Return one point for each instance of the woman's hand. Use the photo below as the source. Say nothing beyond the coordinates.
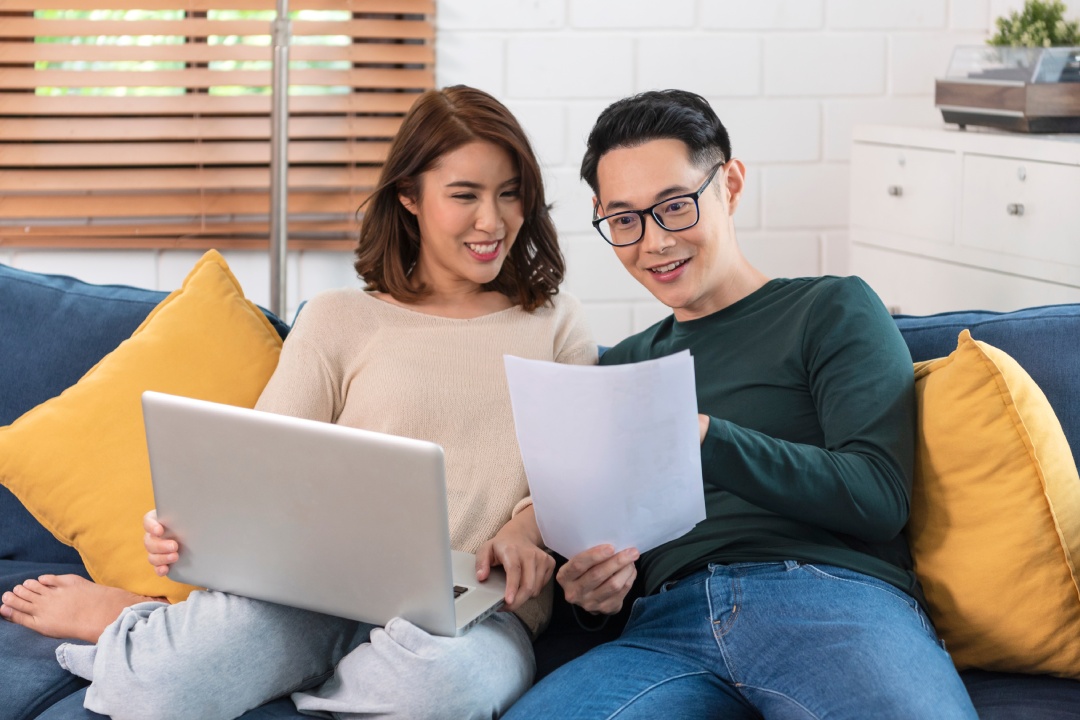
(162, 552)
(516, 547)
(599, 578)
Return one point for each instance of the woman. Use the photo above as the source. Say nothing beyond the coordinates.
(462, 266)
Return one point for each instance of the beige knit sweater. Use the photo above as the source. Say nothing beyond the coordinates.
(358, 361)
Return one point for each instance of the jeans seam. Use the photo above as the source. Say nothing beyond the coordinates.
(719, 638)
(736, 592)
(911, 603)
(787, 697)
(652, 687)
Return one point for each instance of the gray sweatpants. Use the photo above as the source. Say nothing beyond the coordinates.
(215, 656)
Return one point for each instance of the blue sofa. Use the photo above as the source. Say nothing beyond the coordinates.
(53, 329)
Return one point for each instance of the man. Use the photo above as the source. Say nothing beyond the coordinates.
(794, 598)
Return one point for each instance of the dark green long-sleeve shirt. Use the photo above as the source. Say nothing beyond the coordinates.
(810, 447)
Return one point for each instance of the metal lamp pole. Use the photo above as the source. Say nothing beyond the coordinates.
(281, 32)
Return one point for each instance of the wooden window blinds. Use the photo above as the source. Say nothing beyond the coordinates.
(146, 123)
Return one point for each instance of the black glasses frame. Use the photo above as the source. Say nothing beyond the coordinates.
(651, 212)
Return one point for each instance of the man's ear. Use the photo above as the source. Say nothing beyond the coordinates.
(734, 182)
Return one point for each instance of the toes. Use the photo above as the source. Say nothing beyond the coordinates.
(29, 589)
(19, 618)
(49, 580)
(12, 601)
(6, 612)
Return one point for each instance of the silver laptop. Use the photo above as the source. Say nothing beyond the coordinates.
(310, 514)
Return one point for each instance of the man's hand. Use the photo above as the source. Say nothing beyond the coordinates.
(162, 553)
(598, 579)
(517, 548)
(703, 427)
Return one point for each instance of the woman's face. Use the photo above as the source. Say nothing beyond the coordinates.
(470, 211)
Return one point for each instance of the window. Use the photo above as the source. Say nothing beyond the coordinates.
(144, 124)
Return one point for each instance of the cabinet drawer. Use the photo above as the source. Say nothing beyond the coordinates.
(1022, 208)
(904, 191)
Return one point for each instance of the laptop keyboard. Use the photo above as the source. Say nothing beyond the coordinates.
(459, 591)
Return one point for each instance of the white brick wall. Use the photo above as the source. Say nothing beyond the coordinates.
(790, 78)
(818, 64)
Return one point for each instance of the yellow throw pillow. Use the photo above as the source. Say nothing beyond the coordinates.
(79, 462)
(995, 515)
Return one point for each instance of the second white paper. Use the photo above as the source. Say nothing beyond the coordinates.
(612, 453)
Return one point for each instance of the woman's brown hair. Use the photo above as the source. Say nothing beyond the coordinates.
(439, 122)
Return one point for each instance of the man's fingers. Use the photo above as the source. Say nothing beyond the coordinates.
(585, 561)
(620, 582)
(601, 573)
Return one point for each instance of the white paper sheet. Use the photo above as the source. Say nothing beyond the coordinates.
(612, 453)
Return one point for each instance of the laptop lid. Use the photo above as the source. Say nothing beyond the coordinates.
(309, 514)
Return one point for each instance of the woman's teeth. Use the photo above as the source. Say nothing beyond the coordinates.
(483, 249)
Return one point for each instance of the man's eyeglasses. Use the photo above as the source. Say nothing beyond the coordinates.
(673, 213)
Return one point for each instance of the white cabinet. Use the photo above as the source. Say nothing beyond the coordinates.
(944, 219)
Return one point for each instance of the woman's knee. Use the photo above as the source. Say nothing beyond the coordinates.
(478, 675)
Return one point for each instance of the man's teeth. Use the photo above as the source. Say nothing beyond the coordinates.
(483, 249)
(667, 268)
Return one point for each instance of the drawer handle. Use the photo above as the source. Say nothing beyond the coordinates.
(896, 190)
(1015, 209)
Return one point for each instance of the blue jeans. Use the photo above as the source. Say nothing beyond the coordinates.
(747, 640)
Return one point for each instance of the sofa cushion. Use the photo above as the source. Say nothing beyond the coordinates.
(995, 515)
(54, 329)
(32, 679)
(1012, 696)
(1044, 340)
(79, 461)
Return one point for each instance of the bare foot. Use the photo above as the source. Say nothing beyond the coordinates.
(66, 606)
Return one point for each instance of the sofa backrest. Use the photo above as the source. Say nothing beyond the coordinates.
(1044, 340)
(52, 330)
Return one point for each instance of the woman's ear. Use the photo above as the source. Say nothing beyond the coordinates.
(408, 202)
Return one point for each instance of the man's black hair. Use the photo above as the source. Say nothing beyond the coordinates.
(657, 115)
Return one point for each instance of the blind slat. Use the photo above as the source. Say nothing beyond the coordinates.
(171, 205)
(41, 105)
(385, 53)
(17, 27)
(197, 128)
(417, 7)
(143, 228)
(17, 79)
(338, 241)
(185, 154)
(209, 178)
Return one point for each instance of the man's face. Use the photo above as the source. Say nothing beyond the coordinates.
(687, 270)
